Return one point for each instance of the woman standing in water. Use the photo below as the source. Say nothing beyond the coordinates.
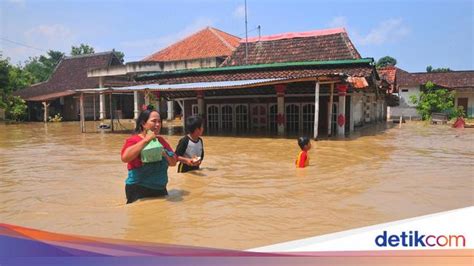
(146, 179)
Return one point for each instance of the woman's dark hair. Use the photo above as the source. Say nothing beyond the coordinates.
(142, 118)
(303, 141)
(192, 123)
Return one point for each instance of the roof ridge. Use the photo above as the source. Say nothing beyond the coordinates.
(349, 44)
(226, 43)
(292, 35)
(437, 72)
(174, 44)
(226, 33)
(86, 55)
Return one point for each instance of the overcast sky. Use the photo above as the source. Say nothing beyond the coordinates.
(416, 33)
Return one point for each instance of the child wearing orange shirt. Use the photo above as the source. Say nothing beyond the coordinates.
(303, 159)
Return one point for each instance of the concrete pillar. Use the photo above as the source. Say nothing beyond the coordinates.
(136, 112)
(101, 106)
(316, 110)
(200, 103)
(341, 116)
(101, 100)
(170, 110)
(281, 121)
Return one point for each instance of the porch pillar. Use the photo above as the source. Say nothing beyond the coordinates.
(170, 110)
(316, 110)
(280, 118)
(46, 111)
(341, 116)
(331, 101)
(136, 112)
(101, 100)
(200, 102)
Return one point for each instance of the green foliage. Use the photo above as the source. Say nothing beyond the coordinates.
(82, 49)
(15, 108)
(386, 61)
(433, 100)
(439, 69)
(458, 112)
(120, 55)
(41, 68)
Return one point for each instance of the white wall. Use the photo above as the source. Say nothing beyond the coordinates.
(358, 111)
(405, 96)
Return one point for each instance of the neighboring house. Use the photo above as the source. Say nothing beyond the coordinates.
(57, 94)
(289, 83)
(406, 84)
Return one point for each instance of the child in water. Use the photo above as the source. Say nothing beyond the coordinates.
(303, 160)
(190, 150)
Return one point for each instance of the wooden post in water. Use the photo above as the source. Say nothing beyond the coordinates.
(316, 110)
(400, 122)
(46, 105)
(81, 113)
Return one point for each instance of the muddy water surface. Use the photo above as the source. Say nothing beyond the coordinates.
(248, 194)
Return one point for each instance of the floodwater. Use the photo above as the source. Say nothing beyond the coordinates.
(248, 194)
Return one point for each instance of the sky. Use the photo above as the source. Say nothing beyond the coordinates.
(416, 33)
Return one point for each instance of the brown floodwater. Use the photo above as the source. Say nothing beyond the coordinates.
(248, 194)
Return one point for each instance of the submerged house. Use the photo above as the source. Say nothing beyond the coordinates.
(312, 83)
(58, 95)
(406, 84)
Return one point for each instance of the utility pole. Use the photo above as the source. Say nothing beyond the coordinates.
(246, 36)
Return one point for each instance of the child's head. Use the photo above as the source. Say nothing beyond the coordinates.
(194, 125)
(304, 143)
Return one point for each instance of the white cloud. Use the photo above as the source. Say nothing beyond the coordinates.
(387, 31)
(338, 22)
(142, 48)
(42, 38)
(239, 12)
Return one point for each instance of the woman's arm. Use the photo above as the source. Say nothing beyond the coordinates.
(171, 159)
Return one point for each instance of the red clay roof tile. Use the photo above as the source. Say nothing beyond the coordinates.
(209, 42)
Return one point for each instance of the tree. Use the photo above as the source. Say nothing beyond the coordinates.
(120, 55)
(41, 68)
(386, 61)
(439, 69)
(82, 49)
(14, 106)
(433, 100)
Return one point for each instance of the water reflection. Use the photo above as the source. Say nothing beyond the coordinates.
(247, 194)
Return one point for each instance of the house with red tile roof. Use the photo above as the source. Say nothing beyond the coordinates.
(208, 47)
(406, 84)
(301, 83)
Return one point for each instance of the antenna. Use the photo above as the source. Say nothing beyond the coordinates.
(246, 36)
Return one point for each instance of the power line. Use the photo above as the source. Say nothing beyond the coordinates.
(22, 44)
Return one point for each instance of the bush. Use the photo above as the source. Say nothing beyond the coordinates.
(16, 108)
(433, 100)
